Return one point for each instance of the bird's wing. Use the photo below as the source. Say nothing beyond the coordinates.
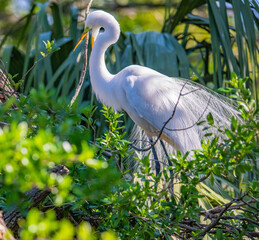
(148, 98)
(151, 101)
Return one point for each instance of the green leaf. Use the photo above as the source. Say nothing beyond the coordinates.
(212, 179)
(219, 234)
(225, 90)
(210, 119)
(250, 136)
(185, 7)
(229, 134)
(58, 26)
(233, 124)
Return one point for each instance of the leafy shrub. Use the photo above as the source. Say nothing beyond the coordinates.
(150, 207)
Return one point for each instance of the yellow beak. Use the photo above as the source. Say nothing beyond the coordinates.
(82, 37)
(92, 41)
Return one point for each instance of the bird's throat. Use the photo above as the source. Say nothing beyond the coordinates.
(101, 78)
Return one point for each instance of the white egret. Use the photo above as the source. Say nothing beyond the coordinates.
(149, 97)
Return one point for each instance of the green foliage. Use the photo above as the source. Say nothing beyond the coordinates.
(46, 226)
(41, 131)
(49, 47)
(114, 137)
(42, 110)
(34, 155)
(235, 157)
(52, 135)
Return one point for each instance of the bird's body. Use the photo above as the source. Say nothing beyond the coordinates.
(149, 97)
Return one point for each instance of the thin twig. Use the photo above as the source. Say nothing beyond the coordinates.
(215, 222)
(241, 218)
(205, 177)
(186, 128)
(234, 207)
(249, 205)
(6, 92)
(82, 77)
(2, 124)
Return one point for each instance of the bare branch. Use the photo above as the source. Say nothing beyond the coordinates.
(214, 223)
(4, 231)
(2, 124)
(82, 76)
(248, 204)
(241, 218)
(192, 91)
(236, 206)
(191, 126)
(205, 177)
(162, 129)
(6, 89)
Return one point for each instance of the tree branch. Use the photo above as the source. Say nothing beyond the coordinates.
(214, 223)
(82, 76)
(4, 231)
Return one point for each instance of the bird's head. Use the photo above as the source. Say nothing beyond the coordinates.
(95, 21)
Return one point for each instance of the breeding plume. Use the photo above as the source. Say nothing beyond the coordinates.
(154, 101)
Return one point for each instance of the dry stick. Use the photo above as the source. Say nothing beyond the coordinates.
(82, 76)
(251, 235)
(191, 126)
(214, 223)
(222, 211)
(227, 226)
(205, 177)
(257, 200)
(249, 211)
(4, 76)
(241, 218)
(5, 84)
(2, 124)
(234, 207)
(28, 71)
(4, 231)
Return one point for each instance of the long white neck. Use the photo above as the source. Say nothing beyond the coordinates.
(101, 78)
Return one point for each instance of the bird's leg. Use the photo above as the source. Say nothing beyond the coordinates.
(157, 165)
(163, 146)
(166, 153)
(169, 163)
